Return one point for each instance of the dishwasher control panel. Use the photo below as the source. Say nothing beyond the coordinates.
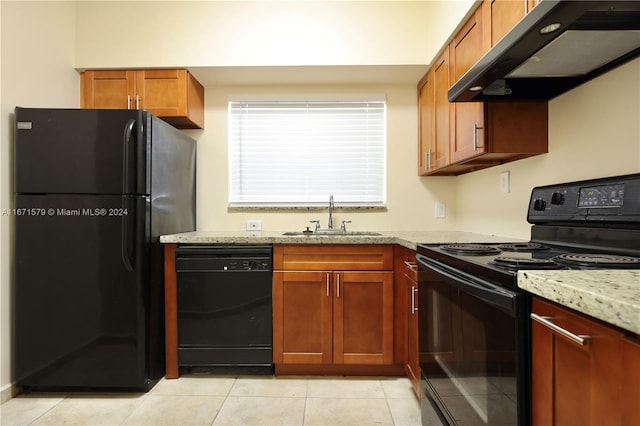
(245, 265)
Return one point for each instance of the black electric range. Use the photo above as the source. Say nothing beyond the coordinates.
(501, 261)
(474, 326)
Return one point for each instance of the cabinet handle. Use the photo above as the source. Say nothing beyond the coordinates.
(475, 135)
(525, 7)
(328, 286)
(546, 321)
(128, 102)
(338, 286)
(413, 266)
(137, 102)
(427, 157)
(414, 306)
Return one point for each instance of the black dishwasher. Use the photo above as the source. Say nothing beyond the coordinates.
(224, 307)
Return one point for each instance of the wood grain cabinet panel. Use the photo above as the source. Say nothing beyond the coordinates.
(330, 314)
(594, 383)
(406, 316)
(303, 318)
(478, 134)
(433, 117)
(171, 94)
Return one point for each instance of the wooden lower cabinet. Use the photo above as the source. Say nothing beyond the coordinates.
(406, 276)
(593, 383)
(331, 316)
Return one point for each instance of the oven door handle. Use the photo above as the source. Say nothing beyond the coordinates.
(484, 290)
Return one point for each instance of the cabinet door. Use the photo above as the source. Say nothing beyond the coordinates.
(442, 112)
(113, 89)
(363, 318)
(592, 383)
(433, 115)
(467, 118)
(426, 123)
(163, 92)
(503, 15)
(542, 368)
(571, 372)
(302, 317)
(630, 381)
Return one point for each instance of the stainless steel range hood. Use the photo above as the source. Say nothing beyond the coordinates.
(559, 45)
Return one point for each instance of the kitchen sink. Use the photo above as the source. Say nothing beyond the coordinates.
(336, 233)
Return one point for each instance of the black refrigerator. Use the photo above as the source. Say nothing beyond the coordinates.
(94, 190)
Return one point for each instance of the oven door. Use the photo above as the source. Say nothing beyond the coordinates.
(474, 347)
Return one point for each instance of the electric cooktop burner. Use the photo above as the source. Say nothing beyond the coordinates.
(470, 249)
(524, 263)
(523, 247)
(609, 261)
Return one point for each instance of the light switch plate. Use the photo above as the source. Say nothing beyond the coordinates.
(254, 225)
(504, 182)
(440, 211)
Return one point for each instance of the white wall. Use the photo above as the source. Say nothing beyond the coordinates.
(594, 131)
(37, 59)
(251, 33)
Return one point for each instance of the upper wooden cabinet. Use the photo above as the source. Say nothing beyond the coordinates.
(171, 94)
(479, 134)
(434, 114)
(500, 16)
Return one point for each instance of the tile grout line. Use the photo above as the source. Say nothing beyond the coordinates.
(226, 397)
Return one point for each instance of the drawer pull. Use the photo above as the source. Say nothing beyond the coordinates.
(413, 266)
(546, 321)
(414, 306)
(328, 285)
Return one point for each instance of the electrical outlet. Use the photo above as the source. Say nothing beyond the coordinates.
(504, 182)
(440, 211)
(254, 225)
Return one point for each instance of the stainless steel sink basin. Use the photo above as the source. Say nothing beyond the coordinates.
(333, 233)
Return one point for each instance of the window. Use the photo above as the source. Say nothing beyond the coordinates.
(297, 153)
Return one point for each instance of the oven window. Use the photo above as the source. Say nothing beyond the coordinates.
(468, 355)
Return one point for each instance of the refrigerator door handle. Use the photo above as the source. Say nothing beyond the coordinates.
(128, 136)
(127, 258)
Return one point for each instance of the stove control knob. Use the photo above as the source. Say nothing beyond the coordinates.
(557, 198)
(539, 205)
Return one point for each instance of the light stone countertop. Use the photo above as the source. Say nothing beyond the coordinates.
(612, 296)
(408, 239)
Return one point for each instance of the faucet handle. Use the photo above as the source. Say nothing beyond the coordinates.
(317, 222)
(344, 225)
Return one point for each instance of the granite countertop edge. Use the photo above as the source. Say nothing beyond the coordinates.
(612, 296)
(408, 239)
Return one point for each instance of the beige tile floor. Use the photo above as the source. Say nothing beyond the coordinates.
(227, 400)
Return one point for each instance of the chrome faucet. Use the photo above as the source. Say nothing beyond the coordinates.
(330, 224)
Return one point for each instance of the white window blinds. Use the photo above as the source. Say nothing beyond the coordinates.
(284, 154)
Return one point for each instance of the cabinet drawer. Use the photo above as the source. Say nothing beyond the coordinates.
(340, 257)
